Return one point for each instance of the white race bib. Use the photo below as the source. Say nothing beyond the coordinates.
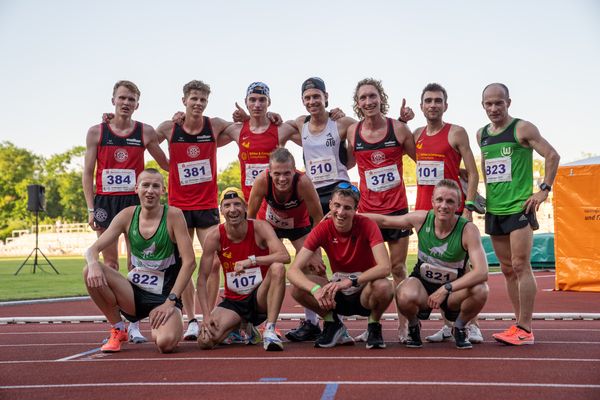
(246, 282)
(252, 171)
(338, 276)
(430, 172)
(382, 179)
(277, 221)
(498, 170)
(118, 180)
(148, 280)
(437, 274)
(322, 169)
(194, 172)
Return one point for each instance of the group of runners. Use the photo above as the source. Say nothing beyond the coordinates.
(317, 210)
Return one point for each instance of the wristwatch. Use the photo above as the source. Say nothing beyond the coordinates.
(545, 186)
(354, 279)
(448, 287)
(172, 297)
(252, 260)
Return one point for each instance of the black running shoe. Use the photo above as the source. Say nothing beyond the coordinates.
(414, 336)
(305, 332)
(375, 338)
(461, 338)
(332, 331)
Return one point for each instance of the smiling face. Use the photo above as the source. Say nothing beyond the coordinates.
(445, 202)
(195, 102)
(343, 210)
(368, 100)
(314, 100)
(125, 101)
(150, 186)
(282, 174)
(234, 210)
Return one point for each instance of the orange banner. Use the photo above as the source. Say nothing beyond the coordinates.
(577, 228)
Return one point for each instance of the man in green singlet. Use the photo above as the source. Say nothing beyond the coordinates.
(439, 280)
(162, 261)
(507, 146)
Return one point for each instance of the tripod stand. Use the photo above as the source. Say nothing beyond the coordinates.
(36, 250)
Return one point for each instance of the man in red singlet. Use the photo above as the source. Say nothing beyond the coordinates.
(253, 261)
(115, 150)
(378, 144)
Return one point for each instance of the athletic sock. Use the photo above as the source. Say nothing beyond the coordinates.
(270, 326)
(311, 316)
(413, 322)
(329, 317)
(526, 330)
(372, 319)
(120, 325)
(459, 323)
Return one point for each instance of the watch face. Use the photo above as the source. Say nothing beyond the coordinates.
(172, 297)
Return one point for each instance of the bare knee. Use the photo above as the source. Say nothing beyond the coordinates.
(480, 292)
(206, 344)
(277, 271)
(166, 343)
(382, 288)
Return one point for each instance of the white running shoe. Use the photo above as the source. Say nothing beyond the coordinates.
(362, 337)
(441, 336)
(134, 334)
(475, 335)
(193, 330)
(271, 341)
(345, 339)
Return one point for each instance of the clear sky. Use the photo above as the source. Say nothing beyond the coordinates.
(59, 60)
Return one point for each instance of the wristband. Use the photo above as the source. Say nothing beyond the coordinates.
(90, 210)
(403, 121)
(314, 289)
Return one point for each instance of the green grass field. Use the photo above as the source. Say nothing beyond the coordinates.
(47, 284)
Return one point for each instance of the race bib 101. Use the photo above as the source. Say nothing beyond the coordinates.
(429, 172)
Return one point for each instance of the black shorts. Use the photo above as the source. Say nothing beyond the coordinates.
(325, 194)
(391, 235)
(497, 225)
(292, 234)
(350, 304)
(201, 218)
(449, 314)
(146, 302)
(106, 207)
(247, 308)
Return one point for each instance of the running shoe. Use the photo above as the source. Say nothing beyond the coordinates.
(362, 337)
(516, 337)
(134, 334)
(277, 331)
(460, 338)
(192, 331)
(440, 336)
(509, 332)
(375, 338)
(414, 336)
(345, 339)
(253, 334)
(306, 331)
(236, 337)
(271, 341)
(475, 336)
(113, 344)
(332, 331)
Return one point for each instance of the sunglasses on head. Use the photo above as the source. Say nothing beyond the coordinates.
(346, 185)
(230, 195)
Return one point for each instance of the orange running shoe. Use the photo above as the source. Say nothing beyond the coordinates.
(113, 344)
(515, 336)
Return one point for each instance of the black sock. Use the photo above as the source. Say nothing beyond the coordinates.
(520, 327)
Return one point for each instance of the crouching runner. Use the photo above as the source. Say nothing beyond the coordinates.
(253, 261)
(163, 261)
(439, 280)
(360, 266)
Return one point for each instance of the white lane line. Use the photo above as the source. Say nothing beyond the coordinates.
(329, 358)
(85, 353)
(312, 383)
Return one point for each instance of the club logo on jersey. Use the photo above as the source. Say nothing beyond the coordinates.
(377, 157)
(100, 214)
(330, 142)
(227, 254)
(438, 250)
(419, 144)
(193, 151)
(147, 252)
(244, 155)
(291, 204)
(121, 155)
(246, 144)
(506, 151)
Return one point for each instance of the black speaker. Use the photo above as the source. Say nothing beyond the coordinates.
(36, 200)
